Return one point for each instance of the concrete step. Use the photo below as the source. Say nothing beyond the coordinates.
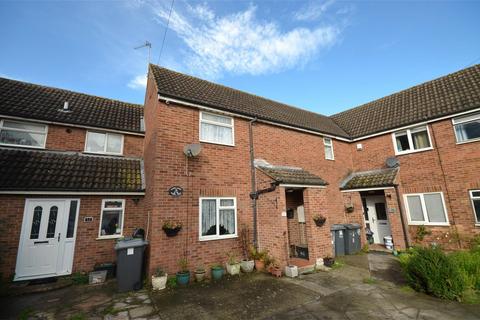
(306, 269)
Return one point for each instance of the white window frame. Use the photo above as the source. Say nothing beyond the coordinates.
(424, 210)
(107, 134)
(232, 126)
(472, 198)
(470, 118)
(115, 236)
(217, 236)
(45, 132)
(410, 140)
(328, 144)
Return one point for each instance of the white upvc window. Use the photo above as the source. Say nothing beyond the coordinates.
(426, 209)
(412, 140)
(217, 218)
(328, 146)
(475, 197)
(467, 128)
(24, 134)
(111, 218)
(215, 128)
(104, 143)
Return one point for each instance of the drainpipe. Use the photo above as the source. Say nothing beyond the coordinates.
(402, 217)
(253, 181)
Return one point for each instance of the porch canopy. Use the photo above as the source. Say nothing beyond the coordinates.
(368, 180)
(292, 176)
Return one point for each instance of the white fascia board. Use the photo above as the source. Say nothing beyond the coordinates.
(366, 189)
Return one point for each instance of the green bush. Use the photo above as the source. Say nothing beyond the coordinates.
(429, 270)
(468, 263)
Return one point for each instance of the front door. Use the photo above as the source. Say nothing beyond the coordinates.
(377, 218)
(43, 238)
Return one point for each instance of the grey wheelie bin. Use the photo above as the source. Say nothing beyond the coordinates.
(352, 238)
(130, 253)
(338, 242)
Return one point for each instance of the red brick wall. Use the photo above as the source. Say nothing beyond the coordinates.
(449, 168)
(225, 171)
(67, 138)
(88, 250)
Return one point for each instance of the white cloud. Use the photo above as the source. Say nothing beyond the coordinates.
(139, 82)
(240, 43)
(313, 10)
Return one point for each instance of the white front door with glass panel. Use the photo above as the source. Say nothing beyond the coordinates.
(377, 218)
(47, 239)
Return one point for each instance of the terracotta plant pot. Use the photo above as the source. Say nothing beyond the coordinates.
(259, 265)
(276, 271)
(247, 265)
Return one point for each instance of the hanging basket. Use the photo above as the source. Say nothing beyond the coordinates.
(319, 221)
(172, 232)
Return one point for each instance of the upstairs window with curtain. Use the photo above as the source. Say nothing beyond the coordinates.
(216, 128)
(218, 218)
(24, 134)
(467, 128)
(104, 143)
(412, 140)
(328, 146)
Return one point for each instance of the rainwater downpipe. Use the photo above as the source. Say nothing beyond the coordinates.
(253, 181)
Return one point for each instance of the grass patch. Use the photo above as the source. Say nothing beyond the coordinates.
(369, 280)
(25, 314)
(338, 264)
(78, 316)
(172, 283)
(407, 289)
(79, 278)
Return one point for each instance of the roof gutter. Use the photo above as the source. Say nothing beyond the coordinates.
(86, 193)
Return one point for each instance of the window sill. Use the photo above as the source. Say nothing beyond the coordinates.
(428, 224)
(468, 141)
(217, 143)
(330, 159)
(21, 146)
(413, 151)
(109, 237)
(104, 153)
(217, 238)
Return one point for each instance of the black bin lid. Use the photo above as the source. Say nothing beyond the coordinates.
(337, 227)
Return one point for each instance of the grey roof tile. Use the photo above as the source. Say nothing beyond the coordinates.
(289, 175)
(370, 179)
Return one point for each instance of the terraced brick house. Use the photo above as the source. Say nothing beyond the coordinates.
(225, 163)
(71, 179)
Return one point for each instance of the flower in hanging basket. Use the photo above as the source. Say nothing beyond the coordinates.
(171, 228)
(349, 208)
(319, 220)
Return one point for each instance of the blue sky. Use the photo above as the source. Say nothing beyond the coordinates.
(325, 56)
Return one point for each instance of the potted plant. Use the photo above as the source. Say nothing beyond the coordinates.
(259, 257)
(247, 264)
(275, 270)
(199, 274)
(328, 261)
(183, 276)
(319, 220)
(233, 266)
(171, 227)
(217, 271)
(159, 279)
(349, 208)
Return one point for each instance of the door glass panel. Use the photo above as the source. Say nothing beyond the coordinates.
(71, 218)
(434, 205)
(37, 218)
(52, 222)
(415, 208)
(381, 212)
(365, 208)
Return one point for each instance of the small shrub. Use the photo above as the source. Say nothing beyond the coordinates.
(429, 270)
(79, 278)
(171, 282)
(421, 233)
(468, 262)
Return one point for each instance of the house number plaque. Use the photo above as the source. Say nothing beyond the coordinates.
(175, 191)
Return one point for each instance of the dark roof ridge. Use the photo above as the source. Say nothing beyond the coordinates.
(129, 104)
(240, 91)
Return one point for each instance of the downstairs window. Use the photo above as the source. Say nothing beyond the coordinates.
(218, 218)
(426, 209)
